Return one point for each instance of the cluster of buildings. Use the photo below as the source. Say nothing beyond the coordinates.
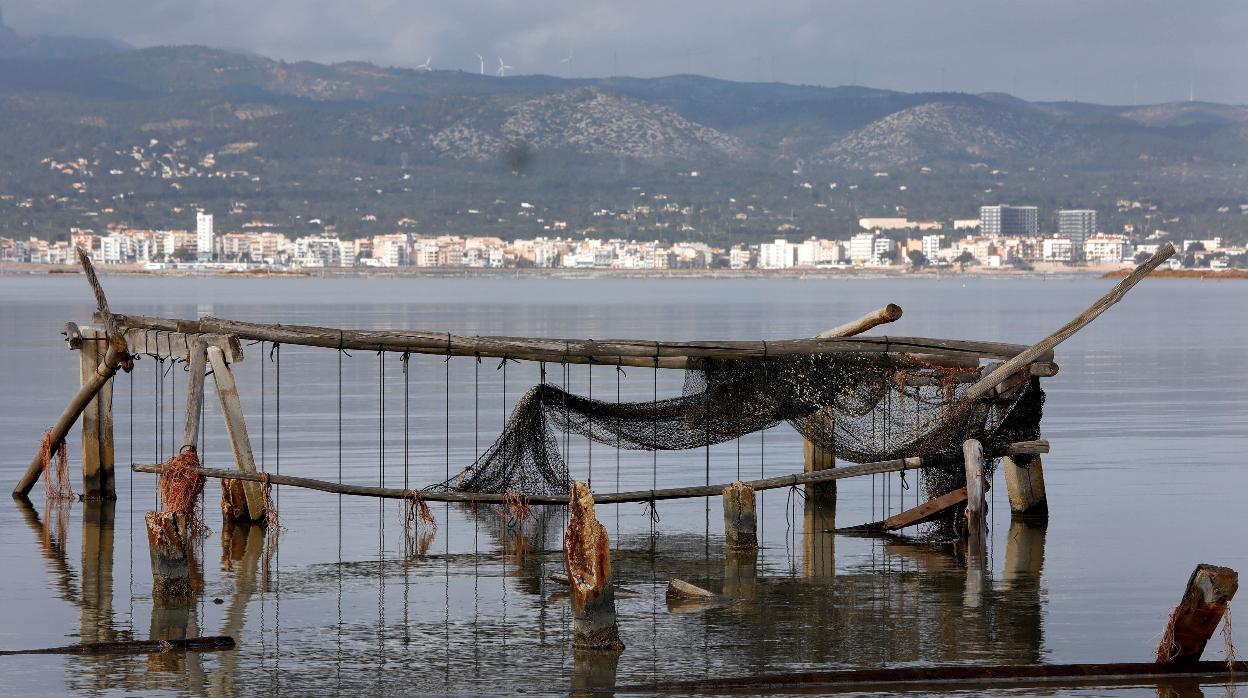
(1002, 236)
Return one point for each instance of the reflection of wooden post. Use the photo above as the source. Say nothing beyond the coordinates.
(587, 557)
(1209, 590)
(242, 544)
(740, 520)
(97, 421)
(1024, 481)
(239, 500)
(816, 458)
(1020, 578)
(741, 574)
(593, 673)
(819, 543)
(96, 612)
(1024, 554)
(170, 549)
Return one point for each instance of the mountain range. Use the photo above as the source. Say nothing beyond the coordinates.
(91, 137)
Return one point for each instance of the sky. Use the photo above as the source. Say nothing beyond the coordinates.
(1105, 51)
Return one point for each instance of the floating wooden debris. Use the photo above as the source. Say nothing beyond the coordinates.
(211, 643)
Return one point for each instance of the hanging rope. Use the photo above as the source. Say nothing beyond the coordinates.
(56, 479)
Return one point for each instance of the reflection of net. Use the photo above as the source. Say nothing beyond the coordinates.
(858, 406)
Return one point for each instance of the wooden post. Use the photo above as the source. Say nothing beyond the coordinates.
(976, 491)
(195, 395)
(97, 420)
(815, 459)
(740, 519)
(587, 558)
(1024, 481)
(819, 541)
(171, 551)
(252, 504)
(1209, 590)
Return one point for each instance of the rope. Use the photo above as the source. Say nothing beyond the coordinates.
(652, 511)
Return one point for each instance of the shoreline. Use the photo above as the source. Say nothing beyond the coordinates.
(25, 269)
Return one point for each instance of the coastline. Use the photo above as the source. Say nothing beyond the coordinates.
(21, 268)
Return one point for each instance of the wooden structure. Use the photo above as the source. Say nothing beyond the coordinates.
(992, 368)
(1204, 604)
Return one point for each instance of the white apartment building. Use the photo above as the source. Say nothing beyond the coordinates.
(780, 254)
(931, 246)
(739, 257)
(1106, 249)
(862, 248)
(1056, 250)
(204, 237)
(319, 252)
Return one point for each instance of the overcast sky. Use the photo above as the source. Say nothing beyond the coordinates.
(1111, 51)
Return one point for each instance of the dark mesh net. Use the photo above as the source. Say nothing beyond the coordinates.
(862, 407)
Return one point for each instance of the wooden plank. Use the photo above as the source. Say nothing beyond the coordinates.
(608, 351)
(917, 515)
(948, 677)
(236, 428)
(1043, 350)
(888, 466)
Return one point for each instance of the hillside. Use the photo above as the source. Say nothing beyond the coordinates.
(140, 136)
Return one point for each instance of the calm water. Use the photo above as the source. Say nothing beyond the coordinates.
(1148, 422)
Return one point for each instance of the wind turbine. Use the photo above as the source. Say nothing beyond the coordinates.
(481, 59)
(502, 68)
(425, 66)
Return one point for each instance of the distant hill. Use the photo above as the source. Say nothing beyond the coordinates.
(137, 136)
(17, 46)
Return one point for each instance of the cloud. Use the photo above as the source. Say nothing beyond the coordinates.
(1105, 51)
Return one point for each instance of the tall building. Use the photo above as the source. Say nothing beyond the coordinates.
(1076, 225)
(780, 254)
(204, 239)
(1009, 221)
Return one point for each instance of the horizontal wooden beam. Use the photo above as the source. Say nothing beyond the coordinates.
(157, 342)
(914, 516)
(888, 466)
(608, 351)
(948, 677)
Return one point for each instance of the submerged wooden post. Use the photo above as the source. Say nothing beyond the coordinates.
(976, 491)
(1209, 590)
(97, 420)
(1024, 481)
(170, 548)
(740, 519)
(239, 500)
(587, 558)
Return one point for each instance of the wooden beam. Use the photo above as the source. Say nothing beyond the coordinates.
(917, 515)
(112, 361)
(976, 491)
(89, 356)
(888, 466)
(190, 644)
(740, 518)
(953, 676)
(1043, 350)
(875, 318)
(1024, 482)
(236, 428)
(608, 351)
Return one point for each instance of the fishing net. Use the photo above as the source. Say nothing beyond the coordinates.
(179, 485)
(864, 407)
(55, 475)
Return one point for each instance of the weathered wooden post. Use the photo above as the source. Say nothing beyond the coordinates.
(170, 546)
(1024, 482)
(97, 419)
(239, 500)
(976, 492)
(976, 524)
(740, 519)
(587, 559)
(1209, 590)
